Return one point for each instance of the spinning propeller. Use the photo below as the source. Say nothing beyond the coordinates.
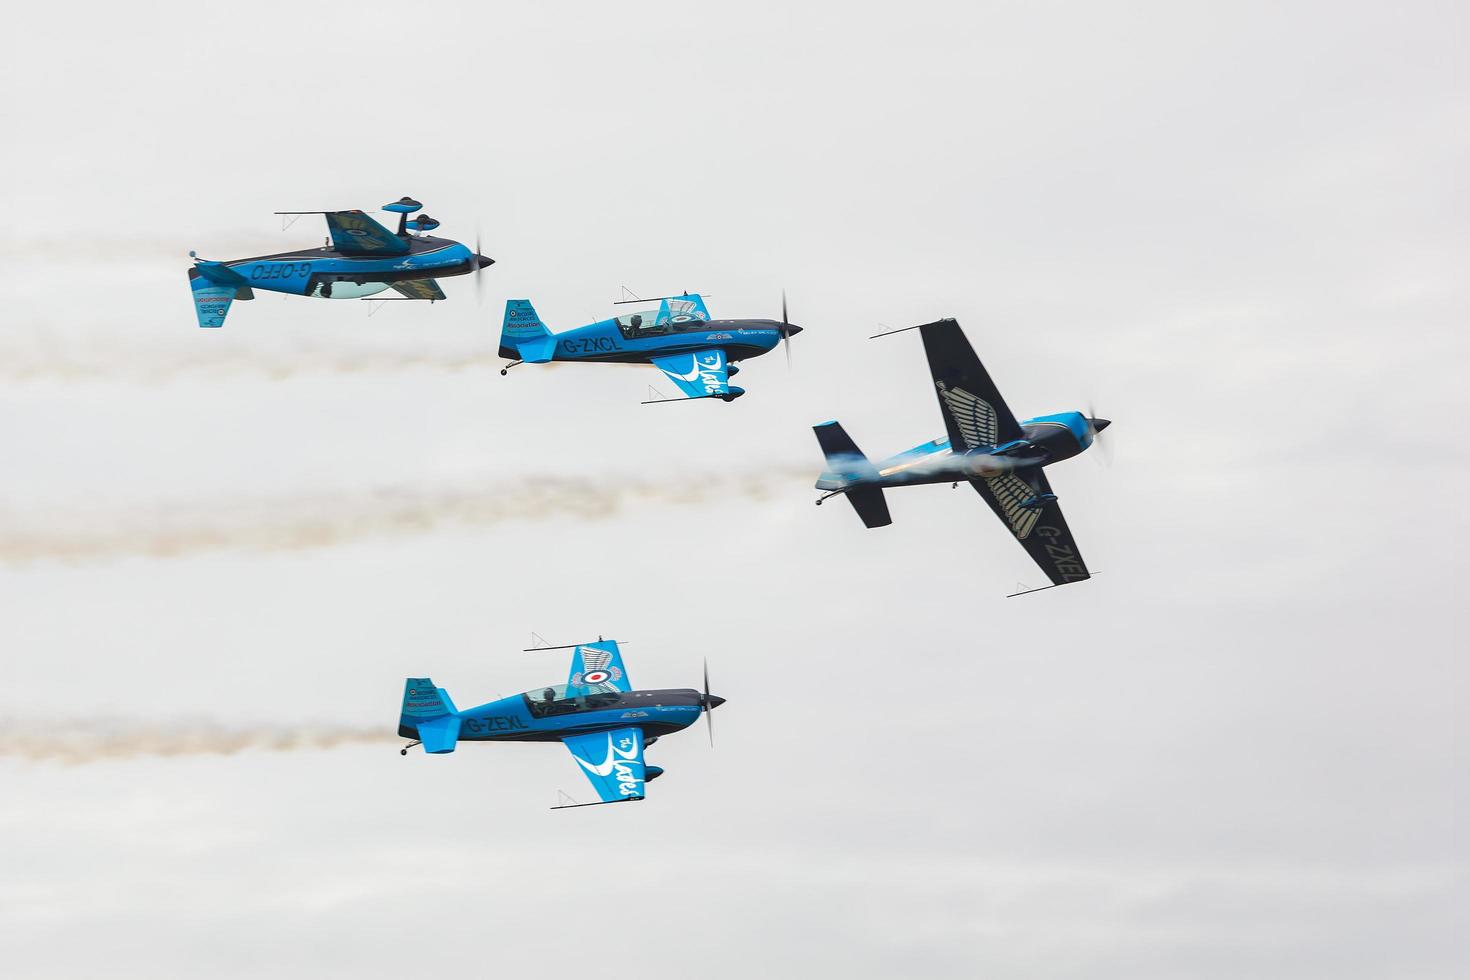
(786, 330)
(1095, 426)
(479, 267)
(708, 703)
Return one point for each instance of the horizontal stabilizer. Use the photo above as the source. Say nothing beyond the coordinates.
(537, 351)
(440, 734)
(870, 506)
(846, 463)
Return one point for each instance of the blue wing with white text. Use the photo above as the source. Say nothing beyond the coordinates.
(698, 375)
(612, 762)
(598, 665)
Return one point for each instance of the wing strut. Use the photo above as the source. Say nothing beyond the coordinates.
(1043, 588)
(573, 806)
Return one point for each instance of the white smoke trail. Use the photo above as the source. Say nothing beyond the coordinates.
(77, 742)
(110, 362)
(319, 521)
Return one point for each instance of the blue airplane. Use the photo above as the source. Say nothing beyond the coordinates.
(363, 259)
(698, 354)
(986, 447)
(598, 716)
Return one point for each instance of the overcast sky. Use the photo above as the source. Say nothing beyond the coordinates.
(1238, 230)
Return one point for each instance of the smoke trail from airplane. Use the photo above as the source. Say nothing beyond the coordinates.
(108, 362)
(78, 742)
(294, 523)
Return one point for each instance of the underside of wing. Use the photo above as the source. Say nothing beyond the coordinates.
(354, 233)
(700, 374)
(419, 289)
(974, 413)
(611, 761)
(1023, 500)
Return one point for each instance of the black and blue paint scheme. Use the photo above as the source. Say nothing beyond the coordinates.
(603, 722)
(678, 337)
(363, 259)
(986, 447)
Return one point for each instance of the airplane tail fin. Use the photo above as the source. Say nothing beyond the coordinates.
(428, 715)
(523, 337)
(847, 471)
(215, 287)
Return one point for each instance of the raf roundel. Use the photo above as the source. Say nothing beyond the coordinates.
(595, 676)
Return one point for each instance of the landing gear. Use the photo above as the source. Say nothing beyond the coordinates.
(404, 750)
(506, 370)
(827, 496)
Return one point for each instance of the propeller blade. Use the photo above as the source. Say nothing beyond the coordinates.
(479, 284)
(709, 715)
(1104, 445)
(785, 331)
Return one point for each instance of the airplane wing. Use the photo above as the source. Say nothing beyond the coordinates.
(419, 289)
(612, 762)
(354, 233)
(974, 413)
(701, 373)
(1041, 528)
(681, 309)
(599, 664)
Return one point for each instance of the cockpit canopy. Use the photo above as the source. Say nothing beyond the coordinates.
(645, 324)
(674, 315)
(562, 699)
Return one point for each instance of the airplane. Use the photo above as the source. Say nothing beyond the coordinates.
(362, 259)
(598, 716)
(986, 447)
(679, 338)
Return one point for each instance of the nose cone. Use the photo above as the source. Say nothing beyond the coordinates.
(713, 701)
(484, 260)
(790, 330)
(1099, 424)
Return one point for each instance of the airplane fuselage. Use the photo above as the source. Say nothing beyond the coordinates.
(1047, 439)
(523, 718)
(616, 342)
(330, 274)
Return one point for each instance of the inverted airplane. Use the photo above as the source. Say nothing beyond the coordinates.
(598, 716)
(986, 447)
(363, 259)
(678, 337)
